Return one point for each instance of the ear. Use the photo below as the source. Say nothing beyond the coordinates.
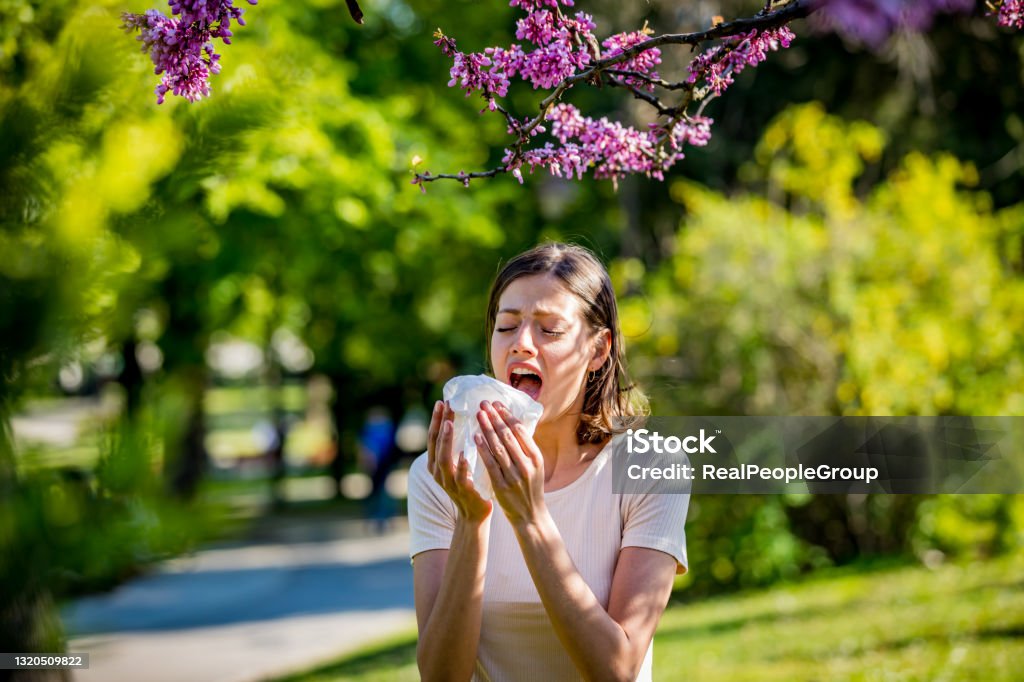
(602, 349)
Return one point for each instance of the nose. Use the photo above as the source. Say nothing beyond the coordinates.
(522, 342)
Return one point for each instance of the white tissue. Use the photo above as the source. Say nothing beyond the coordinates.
(464, 395)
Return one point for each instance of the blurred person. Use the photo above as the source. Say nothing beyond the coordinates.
(377, 455)
(567, 580)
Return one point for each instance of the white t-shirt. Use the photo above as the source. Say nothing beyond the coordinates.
(517, 640)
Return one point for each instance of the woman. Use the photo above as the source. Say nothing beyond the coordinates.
(567, 580)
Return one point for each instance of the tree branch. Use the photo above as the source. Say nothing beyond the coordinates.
(602, 70)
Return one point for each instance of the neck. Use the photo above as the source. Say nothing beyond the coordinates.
(557, 442)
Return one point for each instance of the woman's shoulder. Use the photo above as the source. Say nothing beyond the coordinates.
(424, 492)
(420, 478)
(419, 465)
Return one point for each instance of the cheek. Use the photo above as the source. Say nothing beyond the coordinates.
(568, 361)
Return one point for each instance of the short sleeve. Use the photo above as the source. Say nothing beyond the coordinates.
(432, 513)
(656, 521)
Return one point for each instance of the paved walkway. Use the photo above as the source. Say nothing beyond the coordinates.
(245, 613)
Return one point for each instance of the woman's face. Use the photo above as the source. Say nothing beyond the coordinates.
(541, 344)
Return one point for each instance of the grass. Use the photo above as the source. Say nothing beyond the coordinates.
(956, 622)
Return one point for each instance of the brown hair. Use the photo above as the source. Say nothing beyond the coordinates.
(609, 394)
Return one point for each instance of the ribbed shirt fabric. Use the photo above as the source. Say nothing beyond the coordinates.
(517, 640)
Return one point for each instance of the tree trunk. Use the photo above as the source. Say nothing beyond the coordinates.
(344, 427)
(186, 457)
(132, 379)
(184, 346)
(277, 463)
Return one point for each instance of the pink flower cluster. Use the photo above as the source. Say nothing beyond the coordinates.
(563, 46)
(694, 131)
(610, 148)
(642, 63)
(717, 66)
(562, 55)
(1011, 14)
(181, 45)
(470, 72)
(561, 50)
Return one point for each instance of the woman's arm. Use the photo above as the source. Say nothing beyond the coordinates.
(604, 644)
(449, 584)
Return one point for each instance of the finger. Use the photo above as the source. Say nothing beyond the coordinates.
(491, 425)
(449, 451)
(467, 487)
(518, 429)
(463, 475)
(506, 435)
(445, 461)
(490, 437)
(520, 463)
(490, 463)
(432, 433)
(439, 447)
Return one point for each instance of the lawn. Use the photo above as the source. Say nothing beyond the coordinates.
(955, 622)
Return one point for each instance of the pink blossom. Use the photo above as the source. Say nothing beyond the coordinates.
(642, 63)
(538, 27)
(694, 131)
(181, 45)
(469, 71)
(717, 66)
(1011, 14)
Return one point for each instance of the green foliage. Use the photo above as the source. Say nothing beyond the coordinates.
(901, 302)
(969, 525)
(46, 550)
(283, 201)
(743, 541)
(823, 297)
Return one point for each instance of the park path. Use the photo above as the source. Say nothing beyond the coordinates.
(249, 612)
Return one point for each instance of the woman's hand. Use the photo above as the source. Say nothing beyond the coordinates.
(454, 477)
(514, 462)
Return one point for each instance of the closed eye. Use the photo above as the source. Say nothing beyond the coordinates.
(549, 332)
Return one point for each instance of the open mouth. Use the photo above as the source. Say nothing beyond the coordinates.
(526, 381)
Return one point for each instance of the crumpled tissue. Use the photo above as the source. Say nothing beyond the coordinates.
(464, 395)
